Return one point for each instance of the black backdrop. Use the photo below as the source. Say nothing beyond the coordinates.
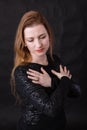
(69, 23)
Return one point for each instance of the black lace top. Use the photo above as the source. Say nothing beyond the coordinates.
(43, 107)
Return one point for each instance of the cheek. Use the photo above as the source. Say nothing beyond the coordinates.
(47, 44)
(30, 48)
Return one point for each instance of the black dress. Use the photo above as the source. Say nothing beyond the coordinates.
(43, 108)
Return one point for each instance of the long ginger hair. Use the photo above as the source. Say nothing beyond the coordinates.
(21, 53)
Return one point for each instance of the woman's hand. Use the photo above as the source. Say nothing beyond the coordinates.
(63, 72)
(39, 78)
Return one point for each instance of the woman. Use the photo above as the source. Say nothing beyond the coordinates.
(39, 82)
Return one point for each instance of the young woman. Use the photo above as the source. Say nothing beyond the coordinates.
(39, 82)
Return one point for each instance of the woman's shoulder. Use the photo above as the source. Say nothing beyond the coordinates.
(20, 69)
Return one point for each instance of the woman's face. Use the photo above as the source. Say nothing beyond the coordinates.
(37, 40)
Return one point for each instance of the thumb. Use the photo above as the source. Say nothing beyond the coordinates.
(55, 73)
(44, 72)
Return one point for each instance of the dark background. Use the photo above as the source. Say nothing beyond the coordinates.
(68, 19)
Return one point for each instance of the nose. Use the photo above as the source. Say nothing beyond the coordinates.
(38, 43)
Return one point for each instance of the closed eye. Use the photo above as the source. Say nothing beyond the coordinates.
(42, 37)
(30, 40)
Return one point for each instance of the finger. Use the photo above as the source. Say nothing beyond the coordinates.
(70, 76)
(68, 72)
(54, 72)
(34, 71)
(31, 73)
(61, 68)
(65, 69)
(33, 78)
(36, 82)
(43, 70)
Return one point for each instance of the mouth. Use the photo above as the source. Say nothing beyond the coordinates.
(40, 50)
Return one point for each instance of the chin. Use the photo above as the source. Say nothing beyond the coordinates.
(41, 54)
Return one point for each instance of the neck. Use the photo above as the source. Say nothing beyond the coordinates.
(40, 60)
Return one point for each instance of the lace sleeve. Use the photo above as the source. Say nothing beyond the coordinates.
(49, 105)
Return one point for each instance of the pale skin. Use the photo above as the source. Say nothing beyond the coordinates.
(44, 78)
(40, 78)
(37, 41)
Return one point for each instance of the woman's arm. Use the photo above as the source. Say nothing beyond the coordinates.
(36, 94)
(74, 88)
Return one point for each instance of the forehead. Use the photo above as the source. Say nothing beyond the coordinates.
(35, 30)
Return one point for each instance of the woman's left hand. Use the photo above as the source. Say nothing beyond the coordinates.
(39, 78)
(63, 72)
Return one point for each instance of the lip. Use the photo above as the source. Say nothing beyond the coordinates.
(40, 50)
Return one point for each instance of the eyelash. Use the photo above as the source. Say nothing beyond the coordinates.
(40, 38)
(30, 40)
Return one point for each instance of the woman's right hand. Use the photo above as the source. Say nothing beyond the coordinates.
(63, 72)
(43, 78)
